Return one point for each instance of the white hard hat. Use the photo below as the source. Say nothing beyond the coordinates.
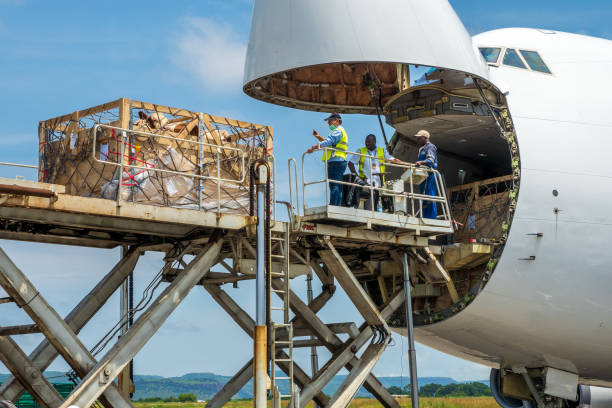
(423, 133)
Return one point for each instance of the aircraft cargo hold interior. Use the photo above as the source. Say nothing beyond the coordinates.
(479, 163)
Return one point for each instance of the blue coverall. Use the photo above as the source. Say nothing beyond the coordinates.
(429, 154)
(336, 166)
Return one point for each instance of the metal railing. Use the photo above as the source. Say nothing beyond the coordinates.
(415, 199)
(124, 138)
(296, 206)
(27, 166)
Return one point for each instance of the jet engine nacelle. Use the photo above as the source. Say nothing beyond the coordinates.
(594, 397)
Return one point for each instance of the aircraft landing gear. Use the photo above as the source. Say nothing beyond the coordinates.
(502, 400)
(541, 400)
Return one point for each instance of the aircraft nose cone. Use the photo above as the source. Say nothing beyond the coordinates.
(325, 55)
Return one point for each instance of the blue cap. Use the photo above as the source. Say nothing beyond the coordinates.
(333, 116)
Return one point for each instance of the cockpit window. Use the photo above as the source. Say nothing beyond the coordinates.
(535, 61)
(513, 59)
(491, 55)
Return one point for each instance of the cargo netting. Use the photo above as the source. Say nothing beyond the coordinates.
(132, 151)
(481, 208)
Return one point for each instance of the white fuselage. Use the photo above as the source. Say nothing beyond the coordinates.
(555, 310)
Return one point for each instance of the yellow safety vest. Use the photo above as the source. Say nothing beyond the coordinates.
(380, 153)
(341, 147)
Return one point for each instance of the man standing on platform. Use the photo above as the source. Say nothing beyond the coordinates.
(428, 156)
(337, 141)
(371, 168)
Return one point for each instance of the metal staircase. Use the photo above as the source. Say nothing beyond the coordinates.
(281, 334)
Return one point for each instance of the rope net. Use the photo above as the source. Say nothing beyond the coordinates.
(167, 156)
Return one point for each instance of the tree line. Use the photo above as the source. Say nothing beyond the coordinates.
(473, 389)
(186, 397)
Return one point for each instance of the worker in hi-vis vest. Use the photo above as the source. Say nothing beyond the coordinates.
(336, 159)
(428, 156)
(371, 168)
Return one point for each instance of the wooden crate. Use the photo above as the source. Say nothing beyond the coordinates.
(164, 138)
(488, 201)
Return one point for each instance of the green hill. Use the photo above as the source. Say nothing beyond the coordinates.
(205, 385)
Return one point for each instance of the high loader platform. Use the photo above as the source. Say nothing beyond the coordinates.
(147, 177)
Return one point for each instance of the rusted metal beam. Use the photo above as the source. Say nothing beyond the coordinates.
(22, 329)
(29, 191)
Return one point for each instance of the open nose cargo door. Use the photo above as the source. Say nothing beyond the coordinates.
(329, 55)
(356, 56)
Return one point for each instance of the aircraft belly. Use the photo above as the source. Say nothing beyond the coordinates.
(548, 301)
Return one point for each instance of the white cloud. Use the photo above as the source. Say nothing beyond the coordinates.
(213, 53)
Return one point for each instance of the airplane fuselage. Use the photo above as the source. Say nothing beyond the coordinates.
(548, 302)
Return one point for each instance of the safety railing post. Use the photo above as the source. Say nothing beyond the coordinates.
(272, 177)
(297, 194)
(303, 186)
(411, 195)
(439, 192)
(218, 181)
(201, 157)
(328, 187)
(121, 168)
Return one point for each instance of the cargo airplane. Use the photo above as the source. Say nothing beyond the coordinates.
(524, 138)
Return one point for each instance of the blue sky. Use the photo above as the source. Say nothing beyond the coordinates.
(56, 57)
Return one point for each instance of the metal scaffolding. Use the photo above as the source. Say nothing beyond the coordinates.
(247, 247)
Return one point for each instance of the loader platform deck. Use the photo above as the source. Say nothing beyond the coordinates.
(351, 217)
(60, 218)
(45, 213)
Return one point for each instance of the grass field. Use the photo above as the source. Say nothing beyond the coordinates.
(476, 402)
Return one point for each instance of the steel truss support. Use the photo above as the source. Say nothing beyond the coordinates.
(43, 355)
(343, 353)
(55, 329)
(101, 376)
(351, 384)
(31, 377)
(351, 286)
(247, 324)
(360, 371)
